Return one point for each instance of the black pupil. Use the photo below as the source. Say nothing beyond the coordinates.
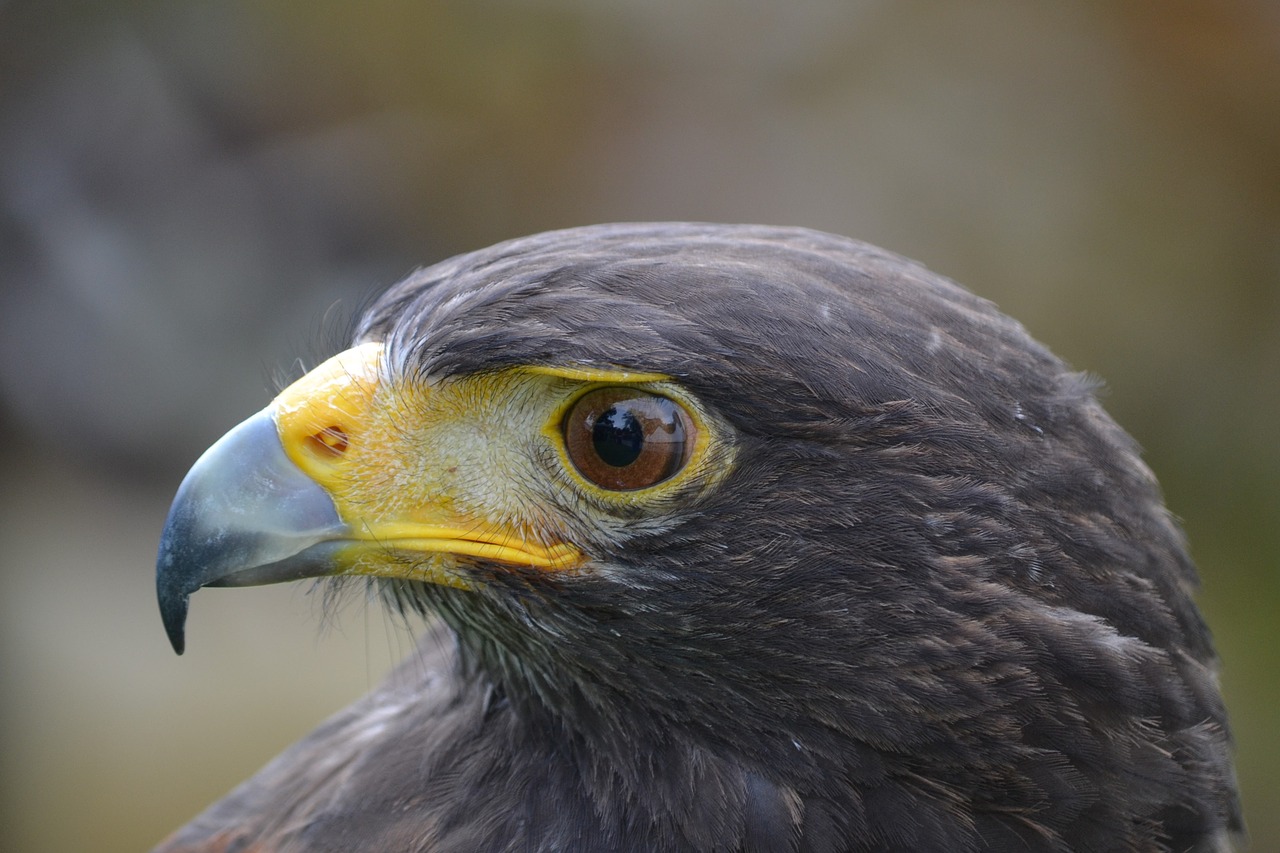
(618, 437)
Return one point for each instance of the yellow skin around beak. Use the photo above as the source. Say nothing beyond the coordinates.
(348, 473)
(346, 430)
(356, 469)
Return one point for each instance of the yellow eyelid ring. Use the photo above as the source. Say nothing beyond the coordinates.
(655, 384)
(609, 375)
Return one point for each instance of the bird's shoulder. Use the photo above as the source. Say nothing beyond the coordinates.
(353, 781)
(400, 770)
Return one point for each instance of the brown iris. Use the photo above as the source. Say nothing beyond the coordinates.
(624, 439)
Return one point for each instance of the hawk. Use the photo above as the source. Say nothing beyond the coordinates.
(732, 538)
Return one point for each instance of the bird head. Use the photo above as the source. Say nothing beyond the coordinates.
(768, 489)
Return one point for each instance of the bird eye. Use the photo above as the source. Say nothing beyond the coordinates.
(624, 439)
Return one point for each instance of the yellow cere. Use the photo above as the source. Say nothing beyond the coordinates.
(327, 408)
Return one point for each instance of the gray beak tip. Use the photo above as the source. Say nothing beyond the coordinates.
(174, 613)
(245, 514)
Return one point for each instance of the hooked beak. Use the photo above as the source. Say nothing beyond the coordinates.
(300, 490)
(256, 507)
(245, 514)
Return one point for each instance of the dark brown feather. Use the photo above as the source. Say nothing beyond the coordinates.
(936, 605)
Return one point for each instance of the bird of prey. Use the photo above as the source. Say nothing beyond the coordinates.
(733, 538)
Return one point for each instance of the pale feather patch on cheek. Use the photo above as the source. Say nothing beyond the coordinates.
(499, 475)
(458, 452)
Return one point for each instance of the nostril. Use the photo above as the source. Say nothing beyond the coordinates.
(329, 442)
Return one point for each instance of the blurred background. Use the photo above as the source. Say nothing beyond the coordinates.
(197, 195)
